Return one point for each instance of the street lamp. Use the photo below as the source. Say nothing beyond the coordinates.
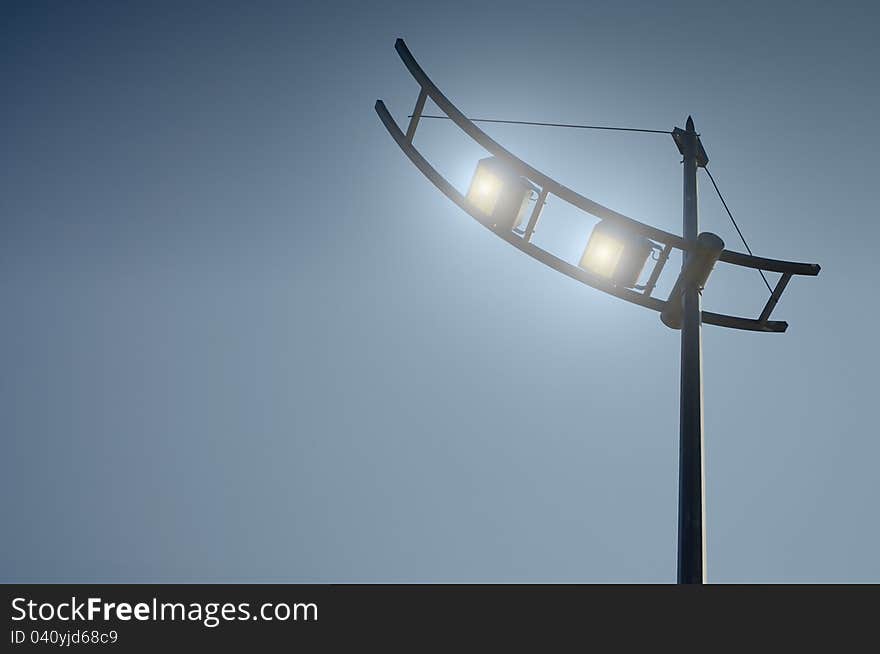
(615, 254)
(498, 192)
(612, 262)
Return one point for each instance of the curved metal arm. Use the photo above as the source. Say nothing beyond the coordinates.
(522, 168)
(551, 186)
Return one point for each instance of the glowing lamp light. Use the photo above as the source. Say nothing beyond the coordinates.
(615, 254)
(499, 193)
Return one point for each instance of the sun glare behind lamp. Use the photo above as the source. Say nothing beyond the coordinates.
(616, 254)
(500, 193)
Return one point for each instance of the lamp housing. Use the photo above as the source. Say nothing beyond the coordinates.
(500, 193)
(615, 253)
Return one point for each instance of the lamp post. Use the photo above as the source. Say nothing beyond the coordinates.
(613, 262)
(691, 466)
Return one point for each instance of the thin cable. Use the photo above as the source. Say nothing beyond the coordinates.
(738, 231)
(526, 122)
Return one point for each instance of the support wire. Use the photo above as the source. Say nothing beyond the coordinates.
(527, 122)
(738, 231)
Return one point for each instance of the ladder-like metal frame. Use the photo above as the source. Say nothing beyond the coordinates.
(666, 241)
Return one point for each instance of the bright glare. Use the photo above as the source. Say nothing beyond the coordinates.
(602, 254)
(485, 190)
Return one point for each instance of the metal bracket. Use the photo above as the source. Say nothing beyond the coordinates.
(680, 137)
(416, 115)
(658, 268)
(536, 213)
(774, 297)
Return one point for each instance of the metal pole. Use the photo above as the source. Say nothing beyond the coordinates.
(691, 490)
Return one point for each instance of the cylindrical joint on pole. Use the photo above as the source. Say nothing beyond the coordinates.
(694, 274)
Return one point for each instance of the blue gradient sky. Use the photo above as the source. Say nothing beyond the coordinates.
(244, 340)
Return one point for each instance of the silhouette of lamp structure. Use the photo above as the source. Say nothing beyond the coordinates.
(500, 197)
